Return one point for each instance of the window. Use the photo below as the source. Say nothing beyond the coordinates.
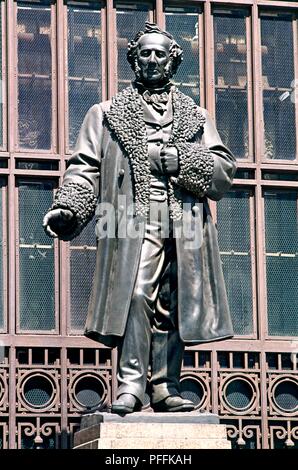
(281, 261)
(130, 18)
(36, 259)
(82, 268)
(233, 219)
(277, 79)
(2, 79)
(84, 60)
(2, 254)
(35, 85)
(183, 24)
(231, 80)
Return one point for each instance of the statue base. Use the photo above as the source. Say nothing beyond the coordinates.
(191, 430)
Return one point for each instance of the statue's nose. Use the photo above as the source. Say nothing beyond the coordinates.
(152, 57)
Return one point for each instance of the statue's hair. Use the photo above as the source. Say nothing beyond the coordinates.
(176, 51)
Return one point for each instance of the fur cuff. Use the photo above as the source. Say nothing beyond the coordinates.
(196, 166)
(81, 201)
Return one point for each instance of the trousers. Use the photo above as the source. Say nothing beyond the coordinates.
(151, 337)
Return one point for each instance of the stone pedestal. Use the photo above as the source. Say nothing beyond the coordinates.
(191, 430)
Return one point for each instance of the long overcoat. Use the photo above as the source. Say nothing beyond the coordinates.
(103, 163)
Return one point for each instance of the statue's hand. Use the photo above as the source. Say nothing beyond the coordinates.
(169, 159)
(57, 221)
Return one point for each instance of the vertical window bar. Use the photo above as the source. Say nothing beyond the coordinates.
(183, 23)
(84, 64)
(278, 80)
(36, 261)
(231, 79)
(35, 76)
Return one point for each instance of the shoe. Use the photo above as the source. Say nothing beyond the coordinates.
(173, 403)
(126, 403)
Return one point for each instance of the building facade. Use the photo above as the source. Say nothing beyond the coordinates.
(57, 59)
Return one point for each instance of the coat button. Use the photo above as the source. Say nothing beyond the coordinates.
(195, 210)
(121, 172)
(121, 208)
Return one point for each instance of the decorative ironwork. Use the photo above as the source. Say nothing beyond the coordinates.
(88, 389)
(283, 436)
(239, 393)
(196, 387)
(3, 435)
(283, 395)
(38, 391)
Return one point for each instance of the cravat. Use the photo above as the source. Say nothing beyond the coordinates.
(158, 101)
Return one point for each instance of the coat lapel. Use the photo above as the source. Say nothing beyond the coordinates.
(125, 119)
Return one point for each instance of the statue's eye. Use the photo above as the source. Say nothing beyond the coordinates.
(145, 53)
(160, 54)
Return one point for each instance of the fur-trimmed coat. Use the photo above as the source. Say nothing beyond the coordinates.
(110, 160)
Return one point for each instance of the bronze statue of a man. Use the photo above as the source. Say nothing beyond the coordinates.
(145, 162)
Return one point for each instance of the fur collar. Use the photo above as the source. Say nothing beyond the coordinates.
(125, 120)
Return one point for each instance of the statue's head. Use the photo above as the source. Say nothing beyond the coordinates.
(154, 55)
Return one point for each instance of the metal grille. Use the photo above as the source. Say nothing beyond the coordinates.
(36, 259)
(281, 262)
(192, 390)
(34, 31)
(233, 217)
(182, 23)
(82, 268)
(89, 392)
(38, 391)
(286, 395)
(129, 22)
(239, 394)
(231, 80)
(84, 64)
(278, 74)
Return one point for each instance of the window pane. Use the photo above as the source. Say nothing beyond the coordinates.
(84, 64)
(278, 74)
(34, 76)
(1, 84)
(233, 215)
(1, 261)
(231, 81)
(182, 23)
(82, 267)
(282, 262)
(36, 265)
(130, 20)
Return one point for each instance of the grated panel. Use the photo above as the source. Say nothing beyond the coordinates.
(278, 74)
(36, 259)
(281, 262)
(34, 82)
(129, 22)
(231, 80)
(233, 215)
(84, 64)
(183, 25)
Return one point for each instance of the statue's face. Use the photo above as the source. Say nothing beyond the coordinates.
(153, 56)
